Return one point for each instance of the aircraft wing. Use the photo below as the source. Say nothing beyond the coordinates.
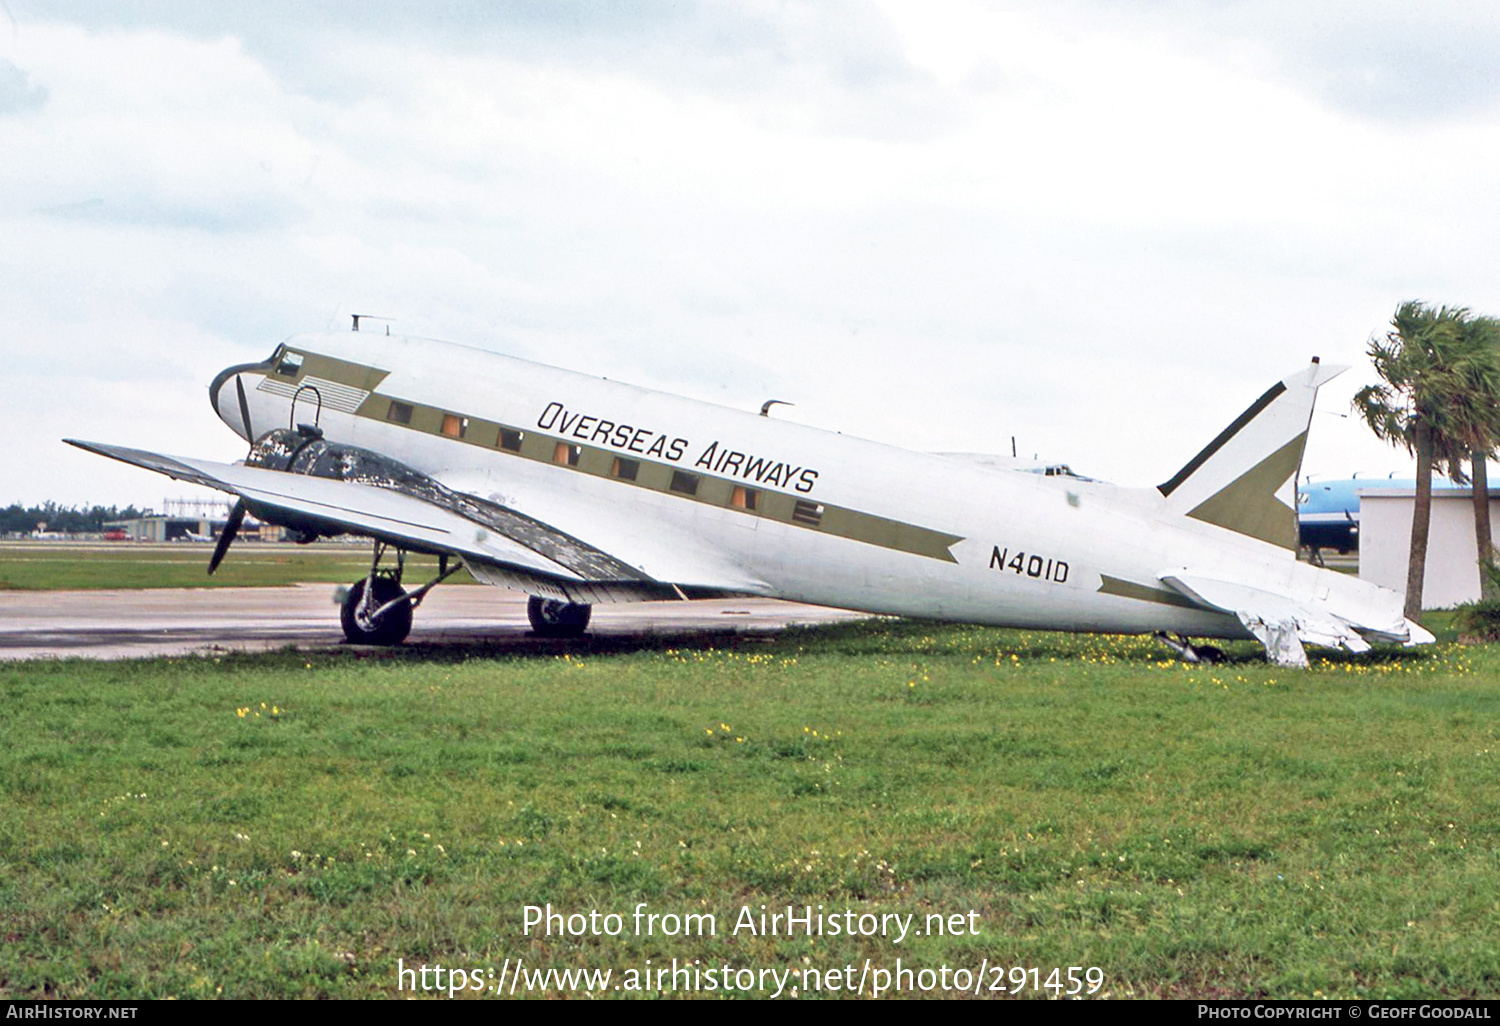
(1282, 623)
(505, 547)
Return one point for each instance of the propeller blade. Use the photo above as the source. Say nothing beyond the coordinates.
(239, 388)
(231, 528)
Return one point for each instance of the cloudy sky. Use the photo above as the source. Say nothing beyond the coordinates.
(1101, 227)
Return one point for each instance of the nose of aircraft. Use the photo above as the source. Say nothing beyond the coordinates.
(230, 400)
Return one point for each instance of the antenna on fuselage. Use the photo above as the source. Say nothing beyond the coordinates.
(765, 407)
(371, 317)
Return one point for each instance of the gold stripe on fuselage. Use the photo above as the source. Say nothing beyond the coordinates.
(597, 461)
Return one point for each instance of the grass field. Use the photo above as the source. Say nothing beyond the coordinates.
(33, 566)
(292, 825)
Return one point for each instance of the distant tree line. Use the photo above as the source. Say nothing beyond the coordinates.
(67, 519)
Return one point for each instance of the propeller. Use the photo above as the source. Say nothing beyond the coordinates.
(226, 536)
(237, 514)
(239, 388)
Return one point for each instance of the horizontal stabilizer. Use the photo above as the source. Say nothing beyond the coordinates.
(1283, 623)
(1246, 478)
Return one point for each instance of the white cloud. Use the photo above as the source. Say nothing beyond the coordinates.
(936, 225)
(18, 93)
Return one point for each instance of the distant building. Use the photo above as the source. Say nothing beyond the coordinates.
(1328, 509)
(153, 527)
(157, 528)
(1452, 574)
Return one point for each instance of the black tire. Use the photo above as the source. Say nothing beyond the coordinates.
(392, 627)
(1213, 655)
(553, 619)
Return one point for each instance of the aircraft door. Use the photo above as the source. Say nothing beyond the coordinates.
(744, 536)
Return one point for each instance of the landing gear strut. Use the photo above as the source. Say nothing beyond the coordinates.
(1190, 653)
(377, 610)
(553, 619)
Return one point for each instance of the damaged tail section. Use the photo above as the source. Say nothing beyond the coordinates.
(1246, 478)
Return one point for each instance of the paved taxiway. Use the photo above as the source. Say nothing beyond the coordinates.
(200, 621)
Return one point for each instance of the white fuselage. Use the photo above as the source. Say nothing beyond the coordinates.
(901, 532)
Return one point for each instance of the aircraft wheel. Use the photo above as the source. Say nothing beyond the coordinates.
(1211, 654)
(553, 619)
(392, 627)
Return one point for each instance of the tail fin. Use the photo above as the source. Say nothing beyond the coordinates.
(1246, 479)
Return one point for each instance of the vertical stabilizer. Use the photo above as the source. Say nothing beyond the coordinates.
(1246, 478)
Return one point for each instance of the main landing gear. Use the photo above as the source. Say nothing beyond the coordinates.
(377, 610)
(553, 619)
(1190, 653)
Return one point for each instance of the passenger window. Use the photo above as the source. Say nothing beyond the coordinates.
(744, 498)
(566, 454)
(455, 426)
(399, 413)
(510, 440)
(809, 513)
(626, 470)
(684, 483)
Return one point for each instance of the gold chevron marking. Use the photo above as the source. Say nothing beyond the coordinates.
(1248, 504)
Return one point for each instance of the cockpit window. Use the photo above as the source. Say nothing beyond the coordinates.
(289, 364)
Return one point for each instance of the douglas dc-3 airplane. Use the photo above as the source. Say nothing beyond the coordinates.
(581, 490)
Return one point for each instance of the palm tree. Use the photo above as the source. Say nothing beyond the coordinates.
(1480, 433)
(1439, 370)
